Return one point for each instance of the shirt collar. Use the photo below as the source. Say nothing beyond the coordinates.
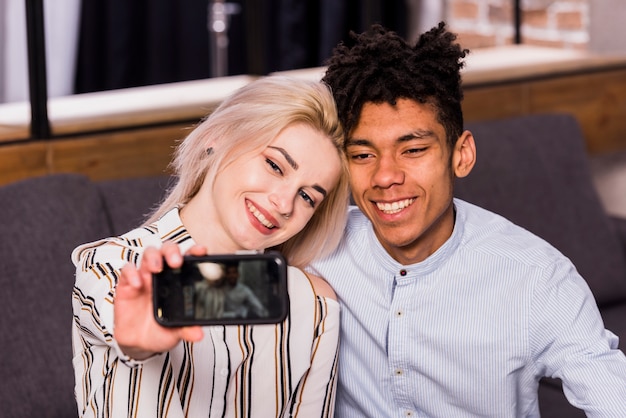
(171, 228)
(433, 262)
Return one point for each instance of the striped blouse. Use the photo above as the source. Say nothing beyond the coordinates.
(277, 370)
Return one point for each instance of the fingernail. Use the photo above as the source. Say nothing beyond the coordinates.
(157, 265)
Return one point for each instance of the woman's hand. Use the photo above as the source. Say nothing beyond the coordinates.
(136, 331)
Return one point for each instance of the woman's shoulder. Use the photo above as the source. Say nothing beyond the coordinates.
(320, 286)
(122, 246)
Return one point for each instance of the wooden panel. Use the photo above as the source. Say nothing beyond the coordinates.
(20, 161)
(598, 100)
(126, 154)
(495, 102)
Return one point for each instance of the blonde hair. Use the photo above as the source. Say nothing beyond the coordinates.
(248, 121)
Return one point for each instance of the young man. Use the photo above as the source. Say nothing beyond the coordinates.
(448, 310)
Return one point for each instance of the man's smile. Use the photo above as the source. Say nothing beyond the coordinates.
(390, 208)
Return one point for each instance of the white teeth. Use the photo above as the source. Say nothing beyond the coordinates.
(259, 216)
(395, 207)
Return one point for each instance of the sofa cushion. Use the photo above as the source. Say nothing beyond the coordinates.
(534, 171)
(554, 404)
(42, 220)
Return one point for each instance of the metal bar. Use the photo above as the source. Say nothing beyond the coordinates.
(257, 20)
(219, 14)
(38, 90)
(517, 16)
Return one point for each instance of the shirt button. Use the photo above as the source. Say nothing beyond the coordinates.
(408, 413)
(224, 372)
(399, 313)
(403, 272)
(398, 372)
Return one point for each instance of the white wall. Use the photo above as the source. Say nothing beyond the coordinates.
(607, 26)
(61, 20)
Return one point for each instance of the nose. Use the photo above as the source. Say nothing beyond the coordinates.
(387, 173)
(283, 201)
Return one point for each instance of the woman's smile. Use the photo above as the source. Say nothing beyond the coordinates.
(260, 216)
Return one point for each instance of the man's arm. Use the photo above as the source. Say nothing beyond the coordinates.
(569, 342)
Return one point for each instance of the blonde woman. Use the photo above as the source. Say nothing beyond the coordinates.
(264, 171)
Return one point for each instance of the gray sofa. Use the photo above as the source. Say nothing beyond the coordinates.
(532, 170)
(41, 220)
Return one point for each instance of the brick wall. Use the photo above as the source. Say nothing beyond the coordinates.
(485, 23)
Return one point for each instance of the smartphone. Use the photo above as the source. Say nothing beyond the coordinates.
(225, 289)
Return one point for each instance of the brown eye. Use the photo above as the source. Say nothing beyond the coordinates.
(273, 166)
(304, 195)
(362, 156)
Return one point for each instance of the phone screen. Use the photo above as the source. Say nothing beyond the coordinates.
(224, 289)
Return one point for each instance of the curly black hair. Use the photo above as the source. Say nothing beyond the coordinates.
(380, 66)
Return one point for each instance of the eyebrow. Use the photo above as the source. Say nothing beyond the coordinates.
(290, 160)
(295, 166)
(418, 134)
(320, 189)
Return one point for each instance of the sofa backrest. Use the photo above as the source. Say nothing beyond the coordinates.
(128, 202)
(41, 221)
(534, 171)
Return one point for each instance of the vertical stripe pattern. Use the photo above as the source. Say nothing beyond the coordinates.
(259, 371)
(469, 331)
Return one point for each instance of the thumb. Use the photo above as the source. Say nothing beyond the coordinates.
(192, 334)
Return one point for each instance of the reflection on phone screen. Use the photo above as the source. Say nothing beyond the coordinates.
(221, 291)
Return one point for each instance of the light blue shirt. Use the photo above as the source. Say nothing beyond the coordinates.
(469, 331)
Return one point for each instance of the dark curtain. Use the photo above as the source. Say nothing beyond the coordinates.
(129, 43)
(289, 34)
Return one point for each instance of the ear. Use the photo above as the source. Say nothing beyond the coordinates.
(464, 154)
